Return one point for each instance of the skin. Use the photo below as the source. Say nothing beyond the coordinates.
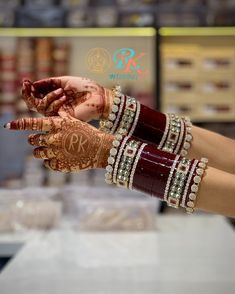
(78, 97)
(217, 148)
(72, 145)
(85, 100)
(71, 97)
(69, 145)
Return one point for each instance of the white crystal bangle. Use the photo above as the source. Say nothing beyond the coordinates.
(106, 125)
(194, 188)
(111, 159)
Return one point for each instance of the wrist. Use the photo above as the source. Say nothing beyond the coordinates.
(106, 145)
(107, 103)
(123, 116)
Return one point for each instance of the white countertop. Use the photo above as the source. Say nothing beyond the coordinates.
(186, 254)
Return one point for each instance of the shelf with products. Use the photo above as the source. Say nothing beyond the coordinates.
(33, 53)
(76, 45)
(138, 13)
(197, 72)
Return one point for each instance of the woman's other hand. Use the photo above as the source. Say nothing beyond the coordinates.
(77, 97)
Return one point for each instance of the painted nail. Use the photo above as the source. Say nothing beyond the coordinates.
(7, 126)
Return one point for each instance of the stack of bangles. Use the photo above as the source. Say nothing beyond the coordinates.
(133, 163)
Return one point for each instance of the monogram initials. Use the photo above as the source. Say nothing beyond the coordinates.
(77, 144)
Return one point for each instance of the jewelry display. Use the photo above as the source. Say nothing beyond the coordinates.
(140, 166)
(128, 117)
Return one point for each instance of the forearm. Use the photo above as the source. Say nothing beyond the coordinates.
(217, 192)
(169, 132)
(179, 181)
(218, 149)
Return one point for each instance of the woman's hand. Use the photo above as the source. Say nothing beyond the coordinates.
(69, 144)
(78, 97)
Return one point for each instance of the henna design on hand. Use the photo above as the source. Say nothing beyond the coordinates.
(65, 96)
(48, 105)
(68, 145)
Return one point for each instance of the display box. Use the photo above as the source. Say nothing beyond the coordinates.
(29, 208)
(220, 110)
(217, 62)
(109, 209)
(176, 90)
(179, 61)
(216, 89)
(182, 108)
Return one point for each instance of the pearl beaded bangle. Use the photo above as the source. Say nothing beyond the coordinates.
(111, 159)
(194, 188)
(124, 115)
(108, 125)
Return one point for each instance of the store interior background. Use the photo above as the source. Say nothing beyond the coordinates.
(189, 51)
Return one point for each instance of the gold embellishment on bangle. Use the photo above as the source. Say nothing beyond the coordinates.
(135, 165)
(165, 132)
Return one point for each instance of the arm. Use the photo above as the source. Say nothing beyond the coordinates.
(180, 182)
(217, 192)
(132, 164)
(85, 100)
(175, 135)
(218, 149)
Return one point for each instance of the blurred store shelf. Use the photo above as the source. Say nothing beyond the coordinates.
(197, 73)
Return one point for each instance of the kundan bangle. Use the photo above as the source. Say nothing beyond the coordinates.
(128, 117)
(172, 178)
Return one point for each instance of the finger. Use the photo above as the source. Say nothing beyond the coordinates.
(45, 86)
(55, 106)
(28, 97)
(56, 165)
(44, 153)
(35, 124)
(36, 93)
(39, 140)
(51, 164)
(48, 99)
(45, 140)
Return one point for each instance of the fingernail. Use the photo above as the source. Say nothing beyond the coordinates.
(58, 91)
(7, 126)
